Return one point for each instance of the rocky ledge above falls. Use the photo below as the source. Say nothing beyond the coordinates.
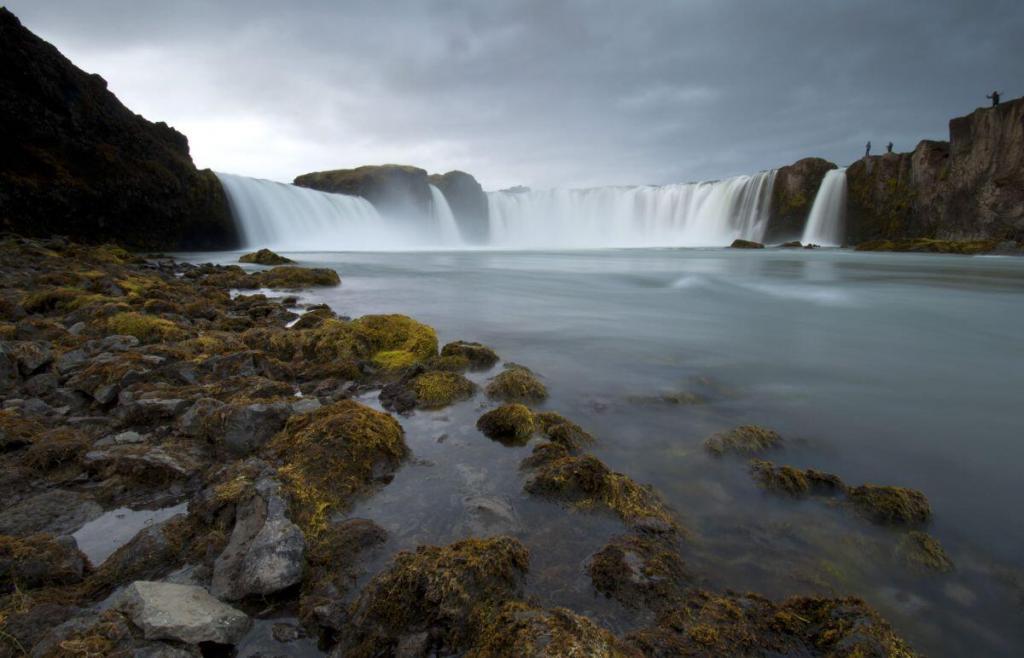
(970, 188)
(75, 161)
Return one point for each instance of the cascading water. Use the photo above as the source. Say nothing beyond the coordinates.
(825, 223)
(448, 229)
(292, 218)
(685, 214)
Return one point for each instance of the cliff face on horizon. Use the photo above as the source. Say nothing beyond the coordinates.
(74, 161)
(970, 188)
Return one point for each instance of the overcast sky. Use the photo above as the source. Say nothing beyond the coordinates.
(541, 92)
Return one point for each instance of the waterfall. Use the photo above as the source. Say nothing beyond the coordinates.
(684, 214)
(291, 218)
(448, 229)
(825, 223)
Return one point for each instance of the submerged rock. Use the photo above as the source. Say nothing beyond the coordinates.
(521, 629)
(559, 429)
(586, 483)
(517, 384)
(707, 624)
(182, 613)
(922, 552)
(289, 277)
(891, 505)
(746, 244)
(744, 440)
(640, 570)
(435, 390)
(264, 257)
(794, 481)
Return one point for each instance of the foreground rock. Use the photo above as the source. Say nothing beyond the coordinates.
(164, 611)
(78, 163)
(517, 384)
(744, 440)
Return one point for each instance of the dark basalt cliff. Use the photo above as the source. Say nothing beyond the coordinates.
(792, 197)
(401, 191)
(970, 188)
(468, 202)
(75, 161)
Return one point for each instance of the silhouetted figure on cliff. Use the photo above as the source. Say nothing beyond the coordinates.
(888, 147)
(995, 98)
(867, 149)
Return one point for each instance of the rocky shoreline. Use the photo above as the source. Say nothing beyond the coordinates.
(145, 383)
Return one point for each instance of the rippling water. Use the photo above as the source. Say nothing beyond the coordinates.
(884, 368)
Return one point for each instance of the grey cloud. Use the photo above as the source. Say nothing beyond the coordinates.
(542, 92)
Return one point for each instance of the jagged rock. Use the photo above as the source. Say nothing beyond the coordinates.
(78, 163)
(182, 613)
(147, 411)
(266, 551)
(57, 512)
(245, 428)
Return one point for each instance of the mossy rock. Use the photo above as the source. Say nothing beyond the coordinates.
(329, 455)
(435, 390)
(794, 481)
(147, 328)
(745, 439)
(891, 505)
(480, 357)
(17, 431)
(290, 277)
(264, 257)
(453, 589)
(390, 342)
(449, 363)
(511, 424)
(586, 483)
(39, 560)
(707, 624)
(55, 448)
(746, 244)
(332, 569)
(517, 384)
(559, 429)
(922, 552)
(640, 571)
(521, 629)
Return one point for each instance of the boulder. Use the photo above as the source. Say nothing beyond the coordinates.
(57, 512)
(266, 551)
(746, 244)
(181, 613)
(245, 428)
(74, 161)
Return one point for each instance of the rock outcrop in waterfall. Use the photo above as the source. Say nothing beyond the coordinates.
(468, 203)
(402, 192)
(74, 161)
(970, 188)
(796, 185)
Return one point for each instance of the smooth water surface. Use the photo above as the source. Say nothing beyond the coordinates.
(900, 369)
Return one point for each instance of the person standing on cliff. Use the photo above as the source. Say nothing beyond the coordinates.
(888, 147)
(995, 98)
(867, 149)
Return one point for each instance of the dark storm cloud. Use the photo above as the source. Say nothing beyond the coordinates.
(543, 92)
